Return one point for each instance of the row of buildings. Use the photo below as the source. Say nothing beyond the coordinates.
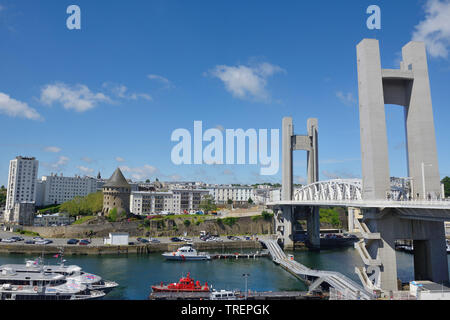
(25, 190)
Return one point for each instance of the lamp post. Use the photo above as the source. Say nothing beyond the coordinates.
(423, 179)
(246, 275)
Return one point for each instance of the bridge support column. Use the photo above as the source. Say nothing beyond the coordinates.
(384, 276)
(313, 227)
(284, 220)
(430, 256)
(288, 215)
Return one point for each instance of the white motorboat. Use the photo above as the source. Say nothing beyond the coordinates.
(186, 253)
(16, 284)
(71, 272)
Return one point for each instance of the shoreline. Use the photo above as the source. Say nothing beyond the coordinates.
(19, 248)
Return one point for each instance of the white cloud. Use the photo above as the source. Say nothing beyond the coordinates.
(87, 159)
(245, 82)
(175, 177)
(85, 170)
(120, 159)
(346, 98)
(15, 108)
(52, 149)
(58, 165)
(435, 29)
(121, 91)
(79, 97)
(166, 82)
(140, 173)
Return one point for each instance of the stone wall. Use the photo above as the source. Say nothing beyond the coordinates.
(137, 249)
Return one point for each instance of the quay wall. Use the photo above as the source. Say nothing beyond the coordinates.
(130, 249)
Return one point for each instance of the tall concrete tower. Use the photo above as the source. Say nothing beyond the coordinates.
(409, 87)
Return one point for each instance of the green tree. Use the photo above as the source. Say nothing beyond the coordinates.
(230, 201)
(446, 182)
(250, 201)
(207, 204)
(84, 206)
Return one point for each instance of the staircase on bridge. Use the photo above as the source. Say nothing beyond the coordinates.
(341, 283)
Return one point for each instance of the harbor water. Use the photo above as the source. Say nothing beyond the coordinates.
(136, 273)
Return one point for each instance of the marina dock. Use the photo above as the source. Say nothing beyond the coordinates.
(266, 295)
(238, 255)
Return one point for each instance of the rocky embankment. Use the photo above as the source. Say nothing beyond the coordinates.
(167, 227)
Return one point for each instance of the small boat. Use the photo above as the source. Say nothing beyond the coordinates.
(225, 295)
(186, 253)
(186, 284)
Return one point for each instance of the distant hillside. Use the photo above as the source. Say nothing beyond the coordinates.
(84, 206)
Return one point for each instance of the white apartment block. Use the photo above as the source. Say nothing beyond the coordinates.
(56, 189)
(21, 181)
(175, 201)
(240, 194)
(148, 202)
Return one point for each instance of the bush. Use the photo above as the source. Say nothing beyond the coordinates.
(266, 215)
(187, 223)
(83, 219)
(230, 221)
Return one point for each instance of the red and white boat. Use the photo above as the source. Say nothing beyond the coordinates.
(185, 284)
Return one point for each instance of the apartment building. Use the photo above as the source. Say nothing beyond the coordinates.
(238, 194)
(175, 201)
(21, 181)
(57, 189)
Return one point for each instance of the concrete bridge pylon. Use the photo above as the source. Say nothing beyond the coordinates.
(286, 216)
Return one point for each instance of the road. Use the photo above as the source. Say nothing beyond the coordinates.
(97, 241)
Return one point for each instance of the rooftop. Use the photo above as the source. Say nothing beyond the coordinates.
(117, 180)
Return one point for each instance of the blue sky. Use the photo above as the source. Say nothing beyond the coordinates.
(111, 94)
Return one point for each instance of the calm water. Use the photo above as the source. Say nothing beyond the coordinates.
(136, 273)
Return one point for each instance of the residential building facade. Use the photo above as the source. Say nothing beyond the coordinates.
(175, 201)
(56, 189)
(21, 181)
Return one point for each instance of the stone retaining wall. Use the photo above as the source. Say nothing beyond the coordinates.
(139, 249)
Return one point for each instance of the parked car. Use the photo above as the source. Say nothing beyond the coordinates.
(38, 238)
(30, 242)
(153, 240)
(185, 239)
(72, 241)
(175, 239)
(83, 243)
(131, 243)
(17, 238)
(44, 241)
(142, 240)
(8, 240)
(87, 240)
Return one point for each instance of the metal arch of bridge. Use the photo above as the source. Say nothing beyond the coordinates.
(338, 189)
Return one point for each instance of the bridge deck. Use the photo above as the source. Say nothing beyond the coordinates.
(439, 205)
(334, 279)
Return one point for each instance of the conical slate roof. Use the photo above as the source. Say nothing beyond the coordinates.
(117, 180)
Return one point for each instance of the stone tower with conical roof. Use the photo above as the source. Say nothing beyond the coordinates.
(116, 194)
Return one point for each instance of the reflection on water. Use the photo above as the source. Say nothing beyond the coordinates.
(136, 273)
